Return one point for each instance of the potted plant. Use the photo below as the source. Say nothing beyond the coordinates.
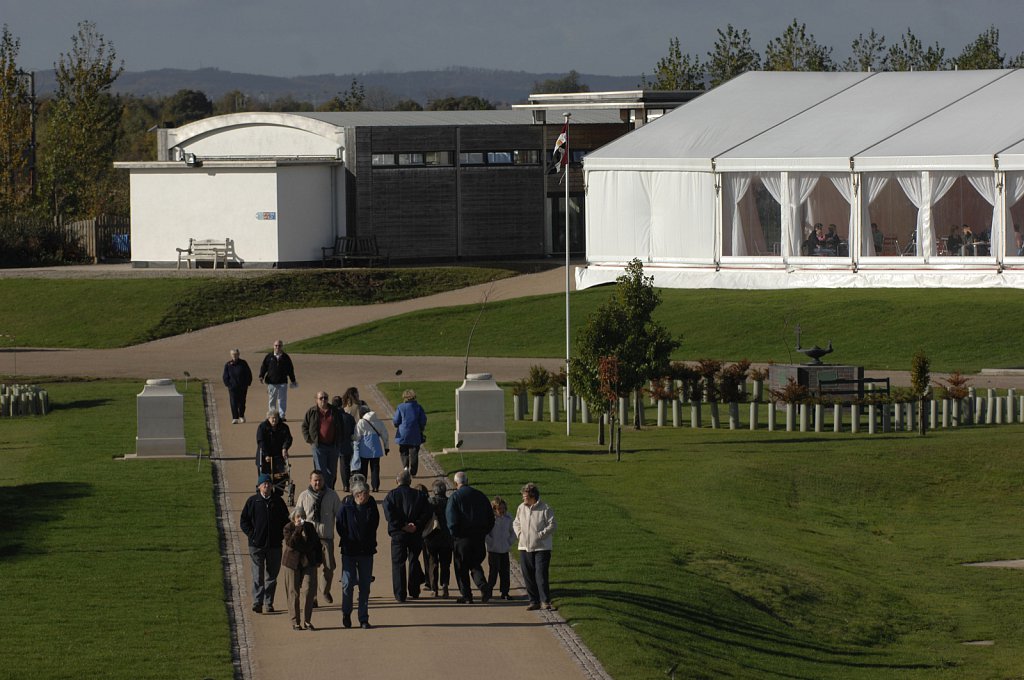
(537, 383)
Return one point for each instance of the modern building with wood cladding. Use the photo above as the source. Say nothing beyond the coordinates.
(430, 186)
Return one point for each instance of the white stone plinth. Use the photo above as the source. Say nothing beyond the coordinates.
(161, 419)
(480, 414)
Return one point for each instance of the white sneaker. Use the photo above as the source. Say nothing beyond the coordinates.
(241, 420)
(234, 421)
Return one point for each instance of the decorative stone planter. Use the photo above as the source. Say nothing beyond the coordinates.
(518, 406)
(734, 415)
(538, 407)
(695, 415)
(753, 415)
(716, 421)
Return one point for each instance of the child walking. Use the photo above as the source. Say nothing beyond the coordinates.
(498, 543)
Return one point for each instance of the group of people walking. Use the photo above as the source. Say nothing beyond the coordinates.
(429, 533)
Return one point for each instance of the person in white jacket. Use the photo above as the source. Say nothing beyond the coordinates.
(370, 441)
(534, 525)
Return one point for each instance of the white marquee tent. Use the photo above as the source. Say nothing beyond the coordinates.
(724, 192)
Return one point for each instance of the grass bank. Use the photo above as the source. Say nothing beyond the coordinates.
(773, 555)
(108, 568)
(962, 330)
(103, 313)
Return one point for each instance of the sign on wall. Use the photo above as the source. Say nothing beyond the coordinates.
(266, 215)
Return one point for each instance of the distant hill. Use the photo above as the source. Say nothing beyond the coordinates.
(499, 87)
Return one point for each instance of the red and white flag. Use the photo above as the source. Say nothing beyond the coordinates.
(560, 154)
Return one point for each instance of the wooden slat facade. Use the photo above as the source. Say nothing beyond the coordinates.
(453, 212)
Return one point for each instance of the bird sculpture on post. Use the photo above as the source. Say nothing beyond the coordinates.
(814, 353)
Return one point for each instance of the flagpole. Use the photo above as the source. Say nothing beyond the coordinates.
(568, 389)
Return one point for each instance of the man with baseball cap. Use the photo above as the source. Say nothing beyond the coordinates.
(263, 519)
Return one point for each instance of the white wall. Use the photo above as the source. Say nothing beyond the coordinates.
(304, 212)
(169, 206)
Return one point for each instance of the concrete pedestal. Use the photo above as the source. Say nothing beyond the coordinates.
(480, 414)
(161, 419)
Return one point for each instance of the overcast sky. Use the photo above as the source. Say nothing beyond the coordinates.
(609, 37)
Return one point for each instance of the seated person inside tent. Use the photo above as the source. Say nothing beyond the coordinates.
(832, 241)
(878, 237)
(815, 243)
(954, 242)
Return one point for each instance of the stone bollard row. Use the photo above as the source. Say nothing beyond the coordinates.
(23, 400)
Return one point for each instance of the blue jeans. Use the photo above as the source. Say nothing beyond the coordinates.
(266, 563)
(325, 459)
(356, 570)
(535, 573)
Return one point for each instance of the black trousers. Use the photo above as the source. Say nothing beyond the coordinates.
(469, 558)
(405, 550)
(498, 571)
(236, 397)
(439, 564)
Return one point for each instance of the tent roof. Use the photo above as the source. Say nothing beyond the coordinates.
(768, 121)
(689, 137)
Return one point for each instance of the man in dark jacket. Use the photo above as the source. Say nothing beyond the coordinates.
(237, 378)
(324, 428)
(470, 518)
(276, 372)
(263, 520)
(356, 527)
(406, 511)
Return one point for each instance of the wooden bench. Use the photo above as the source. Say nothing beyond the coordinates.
(205, 249)
(354, 250)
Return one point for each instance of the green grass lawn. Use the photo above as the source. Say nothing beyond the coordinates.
(774, 555)
(962, 330)
(108, 569)
(101, 313)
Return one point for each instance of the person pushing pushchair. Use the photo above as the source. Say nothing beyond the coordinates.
(273, 439)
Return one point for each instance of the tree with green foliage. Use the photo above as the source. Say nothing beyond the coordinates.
(136, 141)
(465, 103)
(982, 53)
(731, 56)
(797, 50)
(81, 137)
(233, 101)
(15, 128)
(185, 106)
(408, 105)
(568, 83)
(351, 99)
(910, 54)
(869, 53)
(623, 327)
(675, 71)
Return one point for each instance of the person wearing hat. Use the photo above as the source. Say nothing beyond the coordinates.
(263, 519)
(410, 421)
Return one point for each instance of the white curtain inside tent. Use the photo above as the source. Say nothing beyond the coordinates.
(871, 186)
(1014, 193)
(798, 188)
(986, 185)
(924, 189)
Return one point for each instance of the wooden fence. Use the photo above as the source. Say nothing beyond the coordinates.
(103, 238)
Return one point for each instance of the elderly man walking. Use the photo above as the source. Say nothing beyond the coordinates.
(263, 519)
(406, 511)
(470, 519)
(276, 372)
(237, 378)
(321, 505)
(324, 428)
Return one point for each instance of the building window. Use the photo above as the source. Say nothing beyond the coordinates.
(471, 158)
(527, 157)
(576, 155)
(410, 159)
(438, 158)
(382, 159)
(499, 158)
